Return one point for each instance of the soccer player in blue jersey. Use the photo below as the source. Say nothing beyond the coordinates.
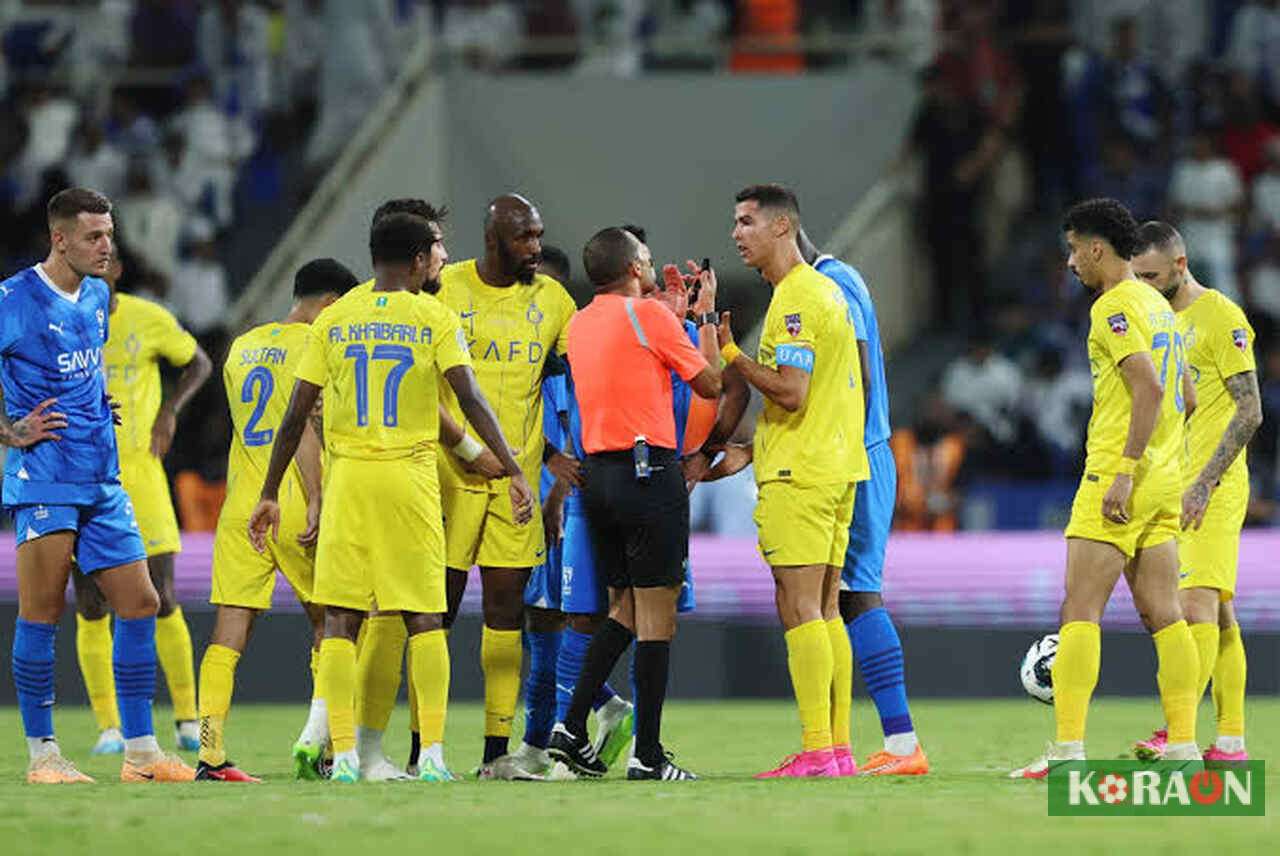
(875, 641)
(62, 486)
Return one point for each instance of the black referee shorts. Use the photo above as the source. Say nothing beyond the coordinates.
(639, 529)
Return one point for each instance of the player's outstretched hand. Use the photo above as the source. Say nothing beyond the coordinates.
(675, 293)
(735, 460)
(486, 465)
(566, 468)
(266, 516)
(116, 418)
(1115, 505)
(311, 534)
(1194, 503)
(694, 467)
(521, 499)
(707, 293)
(40, 424)
(166, 425)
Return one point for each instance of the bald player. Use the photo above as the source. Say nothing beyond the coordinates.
(515, 320)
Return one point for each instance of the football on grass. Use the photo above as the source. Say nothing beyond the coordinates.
(1037, 668)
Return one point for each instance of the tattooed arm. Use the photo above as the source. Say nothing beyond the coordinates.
(40, 424)
(1248, 416)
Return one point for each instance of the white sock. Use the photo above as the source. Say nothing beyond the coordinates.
(189, 728)
(435, 752)
(369, 744)
(901, 744)
(145, 745)
(317, 728)
(1229, 743)
(352, 758)
(1071, 750)
(38, 747)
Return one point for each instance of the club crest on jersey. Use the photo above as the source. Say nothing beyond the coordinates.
(1119, 323)
(793, 324)
(533, 314)
(102, 323)
(1240, 339)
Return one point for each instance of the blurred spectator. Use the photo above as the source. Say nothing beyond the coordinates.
(150, 221)
(1245, 132)
(163, 39)
(1206, 197)
(1264, 221)
(50, 118)
(1264, 451)
(217, 144)
(233, 41)
(550, 19)
(767, 37)
(610, 32)
(1137, 182)
(1041, 36)
(984, 385)
(929, 457)
(1254, 46)
(304, 41)
(94, 162)
(134, 132)
(1057, 401)
(198, 292)
(1175, 33)
(485, 33)
(901, 31)
(1138, 100)
(176, 172)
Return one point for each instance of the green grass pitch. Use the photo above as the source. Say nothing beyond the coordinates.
(964, 806)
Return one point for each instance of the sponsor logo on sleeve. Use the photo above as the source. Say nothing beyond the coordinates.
(793, 323)
(1240, 338)
(1118, 323)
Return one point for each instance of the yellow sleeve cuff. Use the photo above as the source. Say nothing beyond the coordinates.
(730, 352)
(1127, 467)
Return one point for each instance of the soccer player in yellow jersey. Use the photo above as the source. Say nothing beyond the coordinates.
(378, 355)
(142, 334)
(1219, 345)
(1124, 519)
(515, 319)
(260, 364)
(808, 456)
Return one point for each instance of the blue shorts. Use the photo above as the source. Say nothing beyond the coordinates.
(106, 532)
(872, 520)
(543, 588)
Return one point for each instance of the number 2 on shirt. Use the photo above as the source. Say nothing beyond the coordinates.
(403, 357)
(258, 384)
(1160, 341)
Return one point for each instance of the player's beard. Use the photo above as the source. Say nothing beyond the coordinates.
(522, 270)
(1175, 284)
(431, 286)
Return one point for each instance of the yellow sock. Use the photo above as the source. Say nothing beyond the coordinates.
(1179, 669)
(809, 658)
(217, 680)
(1228, 683)
(500, 655)
(841, 681)
(93, 649)
(1206, 638)
(1075, 674)
(173, 650)
(429, 670)
(338, 689)
(378, 670)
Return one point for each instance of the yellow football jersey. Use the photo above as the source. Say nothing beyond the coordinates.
(510, 332)
(1219, 343)
(378, 355)
(1131, 318)
(258, 377)
(142, 334)
(809, 326)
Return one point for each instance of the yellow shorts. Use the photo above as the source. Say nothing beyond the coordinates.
(480, 529)
(804, 524)
(144, 479)
(381, 536)
(1209, 556)
(244, 577)
(1155, 507)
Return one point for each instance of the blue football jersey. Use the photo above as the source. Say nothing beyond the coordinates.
(51, 347)
(863, 309)
(555, 405)
(682, 394)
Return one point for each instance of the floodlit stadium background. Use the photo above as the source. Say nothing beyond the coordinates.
(932, 144)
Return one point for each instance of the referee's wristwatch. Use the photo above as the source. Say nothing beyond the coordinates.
(708, 318)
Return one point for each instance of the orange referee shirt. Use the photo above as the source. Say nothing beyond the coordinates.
(622, 351)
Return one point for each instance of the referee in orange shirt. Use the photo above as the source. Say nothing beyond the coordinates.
(622, 350)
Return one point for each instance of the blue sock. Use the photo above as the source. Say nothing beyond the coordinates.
(133, 659)
(540, 686)
(879, 653)
(33, 675)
